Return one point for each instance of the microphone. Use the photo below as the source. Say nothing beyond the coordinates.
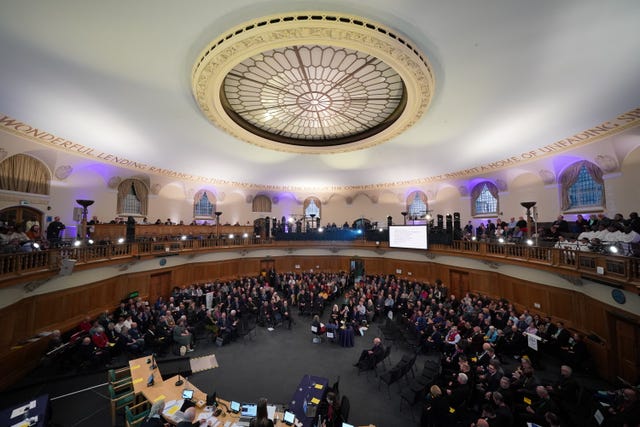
(179, 382)
(153, 361)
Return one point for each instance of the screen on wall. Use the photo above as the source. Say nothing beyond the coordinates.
(408, 236)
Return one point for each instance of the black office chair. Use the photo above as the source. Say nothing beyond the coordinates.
(345, 406)
(336, 387)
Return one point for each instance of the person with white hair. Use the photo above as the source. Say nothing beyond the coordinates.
(459, 393)
(154, 419)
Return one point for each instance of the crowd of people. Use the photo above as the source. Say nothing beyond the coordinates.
(478, 338)
(216, 310)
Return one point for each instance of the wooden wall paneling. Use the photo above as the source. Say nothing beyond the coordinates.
(537, 298)
(480, 282)
(562, 305)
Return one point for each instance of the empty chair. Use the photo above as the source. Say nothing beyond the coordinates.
(345, 407)
(389, 377)
(136, 414)
(117, 376)
(336, 387)
(387, 354)
(120, 395)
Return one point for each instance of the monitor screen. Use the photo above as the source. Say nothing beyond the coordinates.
(187, 394)
(235, 406)
(408, 236)
(289, 417)
(347, 425)
(249, 410)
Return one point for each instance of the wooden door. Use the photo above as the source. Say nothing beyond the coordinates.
(458, 282)
(627, 337)
(159, 285)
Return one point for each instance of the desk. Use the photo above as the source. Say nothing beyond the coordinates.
(38, 407)
(310, 387)
(346, 337)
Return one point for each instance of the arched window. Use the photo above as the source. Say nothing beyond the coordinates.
(582, 186)
(417, 204)
(133, 198)
(25, 174)
(204, 204)
(261, 203)
(485, 199)
(312, 206)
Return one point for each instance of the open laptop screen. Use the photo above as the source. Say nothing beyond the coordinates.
(249, 410)
(289, 417)
(235, 406)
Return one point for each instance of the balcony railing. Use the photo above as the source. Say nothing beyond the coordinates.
(617, 270)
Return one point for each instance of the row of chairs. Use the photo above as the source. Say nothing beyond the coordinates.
(120, 386)
(398, 371)
(417, 389)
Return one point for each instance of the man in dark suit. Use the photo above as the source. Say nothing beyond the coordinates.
(369, 358)
(565, 390)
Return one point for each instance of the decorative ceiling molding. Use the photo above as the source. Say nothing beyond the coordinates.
(300, 82)
(617, 125)
(63, 172)
(607, 163)
(547, 176)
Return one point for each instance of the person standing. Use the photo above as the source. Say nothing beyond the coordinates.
(53, 231)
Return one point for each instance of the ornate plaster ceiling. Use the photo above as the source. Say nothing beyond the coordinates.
(502, 79)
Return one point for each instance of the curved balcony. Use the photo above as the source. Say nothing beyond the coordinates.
(615, 270)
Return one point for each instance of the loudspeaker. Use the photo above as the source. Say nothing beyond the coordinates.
(449, 221)
(389, 221)
(67, 267)
(456, 221)
(77, 214)
(440, 221)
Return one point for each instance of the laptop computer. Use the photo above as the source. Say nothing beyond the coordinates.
(248, 411)
(234, 407)
(289, 418)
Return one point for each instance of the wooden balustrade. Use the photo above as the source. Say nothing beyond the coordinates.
(620, 270)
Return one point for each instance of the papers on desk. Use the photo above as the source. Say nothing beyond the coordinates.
(271, 411)
(172, 409)
(26, 423)
(21, 410)
(318, 386)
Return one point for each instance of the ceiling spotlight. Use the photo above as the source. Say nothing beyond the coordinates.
(77, 243)
(529, 242)
(291, 220)
(474, 238)
(613, 249)
(231, 236)
(359, 231)
(380, 230)
(245, 235)
(36, 245)
(90, 241)
(184, 237)
(121, 240)
(320, 230)
(501, 240)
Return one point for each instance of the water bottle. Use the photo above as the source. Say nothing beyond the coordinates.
(305, 404)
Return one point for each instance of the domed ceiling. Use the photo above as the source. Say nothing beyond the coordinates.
(316, 94)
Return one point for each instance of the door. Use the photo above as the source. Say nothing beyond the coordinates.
(356, 268)
(21, 215)
(159, 285)
(626, 339)
(458, 282)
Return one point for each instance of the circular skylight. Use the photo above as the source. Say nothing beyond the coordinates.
(312, 83)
